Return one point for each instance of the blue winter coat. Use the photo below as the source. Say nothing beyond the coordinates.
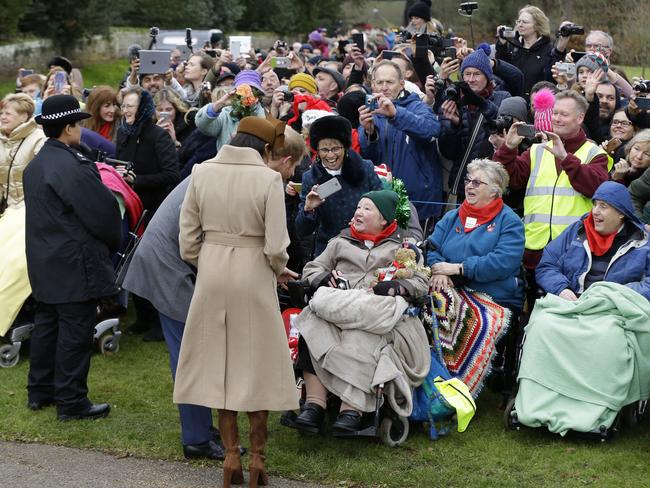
(491, 254)
(406, 143)
(567, 259)
(334, 214)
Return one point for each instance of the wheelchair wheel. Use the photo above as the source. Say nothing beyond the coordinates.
(6, 360)
(108, 345)
(510, 417)
(393, 431)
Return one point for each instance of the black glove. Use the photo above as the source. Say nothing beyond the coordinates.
(471, 98)
(387, 288)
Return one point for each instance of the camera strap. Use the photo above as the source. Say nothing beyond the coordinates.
(453, 191)
(5, 197)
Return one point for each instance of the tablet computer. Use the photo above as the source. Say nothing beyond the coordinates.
(154, 62)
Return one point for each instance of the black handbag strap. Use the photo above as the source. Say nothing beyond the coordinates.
(11, 163)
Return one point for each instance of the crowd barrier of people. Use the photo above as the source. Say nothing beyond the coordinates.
(403, 177)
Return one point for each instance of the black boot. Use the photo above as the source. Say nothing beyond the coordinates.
(311, 417)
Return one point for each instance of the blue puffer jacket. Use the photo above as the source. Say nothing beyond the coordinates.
(455, 139)
(334, 214)
(566, 259)
(406, 143)
(491, 254)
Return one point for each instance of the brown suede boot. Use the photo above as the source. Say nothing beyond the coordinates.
(258, 434)
(232, 470)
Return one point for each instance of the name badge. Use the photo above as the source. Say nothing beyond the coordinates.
(470, 222)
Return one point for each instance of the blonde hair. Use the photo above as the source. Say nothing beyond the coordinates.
(540, 20)
(294, 146)
(168, 95)
(642, 137)
(496, 174)
(22, 102)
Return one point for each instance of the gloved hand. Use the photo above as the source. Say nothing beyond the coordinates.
(389, 288)
(471, 98)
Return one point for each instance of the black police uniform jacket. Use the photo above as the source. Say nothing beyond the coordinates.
(72, 224)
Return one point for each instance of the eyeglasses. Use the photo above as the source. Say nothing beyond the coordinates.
(595, 47)
(128, 107)
(622, 123)
(474, 183)
(336, 150)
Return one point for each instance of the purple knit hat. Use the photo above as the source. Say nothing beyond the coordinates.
(249, 77)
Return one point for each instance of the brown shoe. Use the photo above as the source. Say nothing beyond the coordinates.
(232, 469)
(258, 435)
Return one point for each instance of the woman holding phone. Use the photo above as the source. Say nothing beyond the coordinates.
(342, 177)
(170, 115)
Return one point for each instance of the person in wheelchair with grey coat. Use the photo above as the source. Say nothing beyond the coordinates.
(357, 334)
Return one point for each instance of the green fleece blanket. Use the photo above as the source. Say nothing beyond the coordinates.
(583, 361)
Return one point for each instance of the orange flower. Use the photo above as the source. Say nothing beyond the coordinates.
(244, 91)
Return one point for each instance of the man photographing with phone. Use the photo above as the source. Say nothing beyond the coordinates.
(560, 174)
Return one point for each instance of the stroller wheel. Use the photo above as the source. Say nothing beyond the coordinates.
(7, 360)
(108, 345)
(510, 415)
(394, 431)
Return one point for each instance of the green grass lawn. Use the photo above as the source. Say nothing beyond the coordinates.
(94, 74)
(144, 423)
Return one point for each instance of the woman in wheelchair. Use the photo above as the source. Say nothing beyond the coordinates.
(353, 259)
(608, 244)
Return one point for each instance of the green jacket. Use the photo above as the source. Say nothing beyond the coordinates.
(583, 361)
(640, 191)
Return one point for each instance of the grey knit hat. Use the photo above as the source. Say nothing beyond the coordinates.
(515, 107)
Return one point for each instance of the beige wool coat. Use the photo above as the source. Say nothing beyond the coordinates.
(10, 147)
(234, 354)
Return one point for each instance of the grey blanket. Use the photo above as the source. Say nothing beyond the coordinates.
(358, 341)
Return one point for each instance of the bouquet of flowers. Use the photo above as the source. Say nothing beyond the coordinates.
(244, 102)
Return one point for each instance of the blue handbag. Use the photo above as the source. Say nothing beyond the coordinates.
(428, 403)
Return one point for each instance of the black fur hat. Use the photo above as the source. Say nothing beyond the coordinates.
(421, 9)
(331, 127)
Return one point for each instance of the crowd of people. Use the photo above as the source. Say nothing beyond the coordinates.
(511, 168)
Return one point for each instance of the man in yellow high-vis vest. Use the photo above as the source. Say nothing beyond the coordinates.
(560, 174)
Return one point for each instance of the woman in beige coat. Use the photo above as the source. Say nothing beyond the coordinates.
(234, 355)
(20, 140)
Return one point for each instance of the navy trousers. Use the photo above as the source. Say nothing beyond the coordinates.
(196, 421)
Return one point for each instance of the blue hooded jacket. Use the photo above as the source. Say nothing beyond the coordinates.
(406, 143)
(566, 259)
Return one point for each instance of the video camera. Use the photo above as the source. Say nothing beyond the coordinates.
(571, 30)
(500, 124)
(642, 86)
(432, 42)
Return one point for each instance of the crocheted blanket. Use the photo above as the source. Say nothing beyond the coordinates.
(470, 324)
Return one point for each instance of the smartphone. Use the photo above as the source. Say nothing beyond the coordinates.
(59, 81)
(280, 62)
(567, 68)
(235, 49)
(643, 103)
(450, 52)
(421, 46)
(330, 187)
(388, 54)
(358, 40)
(526, 130)
(164, 116)
(576, 55)
(26, 72)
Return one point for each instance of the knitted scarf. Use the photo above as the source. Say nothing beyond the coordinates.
(478, 215)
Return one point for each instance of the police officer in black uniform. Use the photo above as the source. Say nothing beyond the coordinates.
(72, 224)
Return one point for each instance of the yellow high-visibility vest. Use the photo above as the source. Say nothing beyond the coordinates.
(551, 204)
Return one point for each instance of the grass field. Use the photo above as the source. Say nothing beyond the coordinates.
(144, 423)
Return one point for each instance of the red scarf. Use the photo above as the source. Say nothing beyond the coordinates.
(482, 214)
(105, 131)
(375, 238)
(598, 243)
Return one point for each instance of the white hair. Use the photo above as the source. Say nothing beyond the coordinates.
(496, 174)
